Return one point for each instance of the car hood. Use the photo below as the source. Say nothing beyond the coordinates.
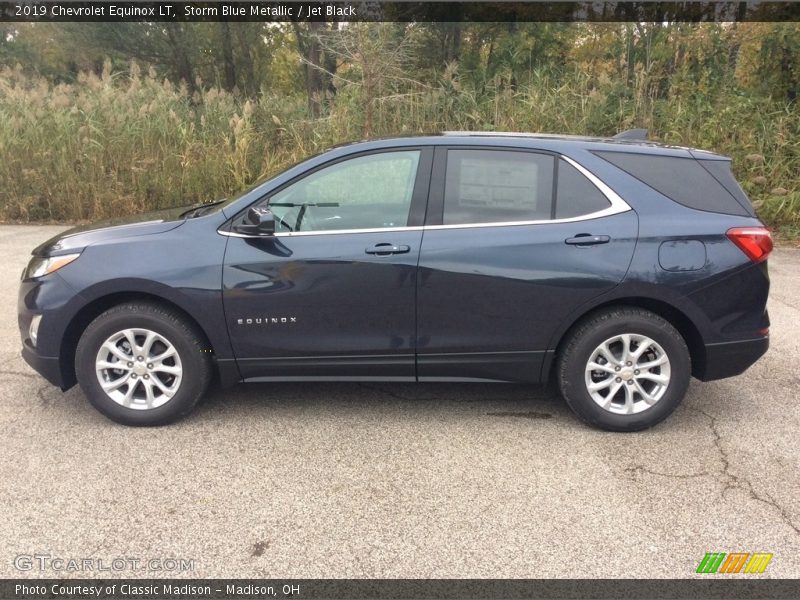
(86, 235)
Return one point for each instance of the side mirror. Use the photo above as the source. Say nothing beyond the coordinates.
(259, 221)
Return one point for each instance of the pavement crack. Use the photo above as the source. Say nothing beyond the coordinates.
(734, 481)
(19, 374)
(787, 518)
(642, 469)
(784, 302)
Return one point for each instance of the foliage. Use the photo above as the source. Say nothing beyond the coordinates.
(97, 139)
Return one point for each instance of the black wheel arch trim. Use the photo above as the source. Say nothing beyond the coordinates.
(92, 301)
(692, 323)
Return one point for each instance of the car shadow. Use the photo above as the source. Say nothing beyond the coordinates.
(493, 399)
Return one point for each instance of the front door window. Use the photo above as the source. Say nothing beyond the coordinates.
(368, 192)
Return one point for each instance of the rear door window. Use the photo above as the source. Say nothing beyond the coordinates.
(496, 186)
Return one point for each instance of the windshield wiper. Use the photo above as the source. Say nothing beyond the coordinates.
(198, 211)
(296, 204)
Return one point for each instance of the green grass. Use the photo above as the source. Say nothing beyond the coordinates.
(128, 142)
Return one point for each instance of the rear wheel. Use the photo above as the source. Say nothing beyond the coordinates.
(624, 369)
(142, 364)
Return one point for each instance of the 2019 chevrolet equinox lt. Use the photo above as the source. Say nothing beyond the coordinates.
(619, 267)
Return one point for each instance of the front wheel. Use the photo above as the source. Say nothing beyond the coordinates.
(142, 364)
(624, 369)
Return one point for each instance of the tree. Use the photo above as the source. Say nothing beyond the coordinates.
(229, 65)
(308, 45)
(376, 55)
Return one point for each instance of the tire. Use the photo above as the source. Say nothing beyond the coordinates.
(622, 397)
(159, 389)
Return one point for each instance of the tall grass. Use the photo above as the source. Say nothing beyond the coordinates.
(119, 143)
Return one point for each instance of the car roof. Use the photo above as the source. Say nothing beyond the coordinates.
(543, 141)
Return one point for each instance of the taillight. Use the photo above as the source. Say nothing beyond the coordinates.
(755, 242)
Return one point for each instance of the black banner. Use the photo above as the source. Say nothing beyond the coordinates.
(599, 11)
(710, 587)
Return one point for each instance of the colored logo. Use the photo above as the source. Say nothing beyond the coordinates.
(736, 562)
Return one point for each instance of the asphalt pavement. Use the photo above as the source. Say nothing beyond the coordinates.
(400, 480)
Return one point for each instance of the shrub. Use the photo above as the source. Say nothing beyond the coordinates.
(119, 143)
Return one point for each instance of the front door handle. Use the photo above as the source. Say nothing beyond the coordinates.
(385, 249)
(587, 239)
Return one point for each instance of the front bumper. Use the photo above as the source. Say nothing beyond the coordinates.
(728, 359)
(55, 301)
(48, 367)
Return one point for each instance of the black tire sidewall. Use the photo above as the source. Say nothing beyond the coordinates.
(194, 365)
(572, 372)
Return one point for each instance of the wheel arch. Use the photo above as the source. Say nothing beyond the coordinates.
(669, 312)
(94, 308)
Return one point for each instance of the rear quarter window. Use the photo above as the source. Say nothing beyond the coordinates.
(685, 180)
(721, 171)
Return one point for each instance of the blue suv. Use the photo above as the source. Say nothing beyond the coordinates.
(618, 267)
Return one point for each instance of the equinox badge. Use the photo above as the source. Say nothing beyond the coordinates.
(267, 321)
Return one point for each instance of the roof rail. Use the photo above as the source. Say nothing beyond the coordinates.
(489, 133)
(631, 134)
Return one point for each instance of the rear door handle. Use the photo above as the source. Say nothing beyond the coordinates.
(386, 248)
(587, 239)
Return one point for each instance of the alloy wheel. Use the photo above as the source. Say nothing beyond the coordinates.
(139, 369)
(627, 374)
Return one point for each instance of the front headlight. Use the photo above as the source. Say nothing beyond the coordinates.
(44, 265)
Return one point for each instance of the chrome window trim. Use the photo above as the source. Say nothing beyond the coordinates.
(618, 205)
(329, 232)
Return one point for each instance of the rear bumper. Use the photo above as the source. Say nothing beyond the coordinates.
(728, 359)
(47, 367)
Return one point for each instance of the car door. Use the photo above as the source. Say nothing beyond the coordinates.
(332, 292)
(515, 241)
